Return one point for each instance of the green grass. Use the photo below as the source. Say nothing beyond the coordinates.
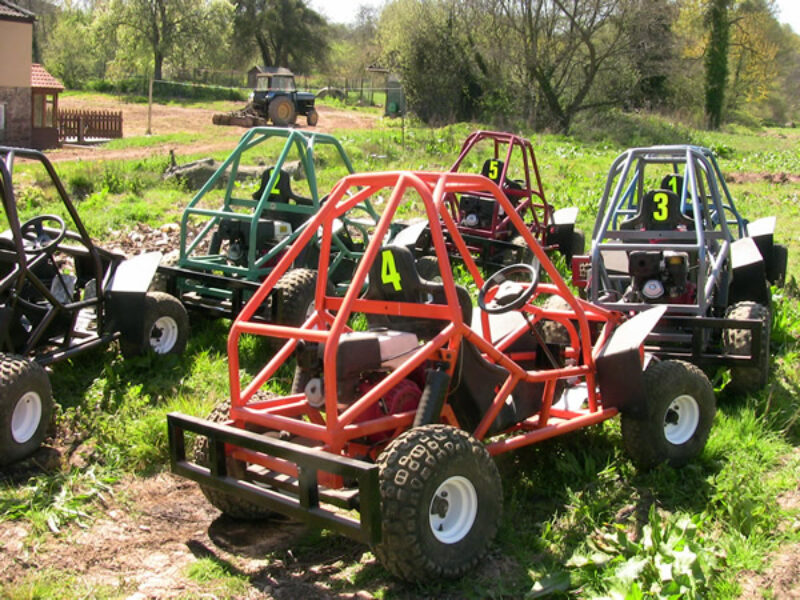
(577, 515)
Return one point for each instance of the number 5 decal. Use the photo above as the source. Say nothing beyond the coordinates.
(661, 201)
(389, 272)
(494, 171)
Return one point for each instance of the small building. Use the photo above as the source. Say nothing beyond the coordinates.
(28, 93)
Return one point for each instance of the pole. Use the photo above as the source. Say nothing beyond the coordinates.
(149, 107)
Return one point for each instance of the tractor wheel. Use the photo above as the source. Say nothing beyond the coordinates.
(296, 291)
(232, 506)
(281, 111)
(554, 332)
(441, 499)
(428, 268)
(675, 421)
(166, 327)
(745, 380)
(26, 407)
(312, 118)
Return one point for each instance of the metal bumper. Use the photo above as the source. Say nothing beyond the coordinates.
(692, 343)
(302, 498)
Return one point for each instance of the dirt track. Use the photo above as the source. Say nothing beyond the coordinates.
(177, 119)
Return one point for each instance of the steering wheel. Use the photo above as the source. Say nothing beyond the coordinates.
(33, 232)
(511, 293)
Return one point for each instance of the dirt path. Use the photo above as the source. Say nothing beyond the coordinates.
(178, 119)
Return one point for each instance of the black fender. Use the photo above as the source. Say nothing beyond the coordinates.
(620, 370)
(126, 293)
(749, 274)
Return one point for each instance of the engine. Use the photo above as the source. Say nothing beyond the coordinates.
(659, 277)
(236, 234)
(476, 212)
(363, 360)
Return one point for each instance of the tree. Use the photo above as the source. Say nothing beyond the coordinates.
(716, 61)
(160, 25)
(68, 52)
(574, 54)
(287, 33)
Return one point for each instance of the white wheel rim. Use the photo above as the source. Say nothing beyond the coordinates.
(681, 419)
(163, 335)
(26, 417)
(453, 509)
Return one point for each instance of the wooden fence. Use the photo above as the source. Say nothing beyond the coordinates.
(82, 124)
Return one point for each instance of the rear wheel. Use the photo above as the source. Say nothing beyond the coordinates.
(577, 244)
(673, 424)
(780, 259)
(746, 380)
(441, 501)
(26, 407)
(166, 327)
(295, 297)
(232, 506)
(281, 111)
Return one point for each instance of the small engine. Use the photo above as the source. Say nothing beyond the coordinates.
(363, 358)
(237, 235)
(659, 277)
(476, 212)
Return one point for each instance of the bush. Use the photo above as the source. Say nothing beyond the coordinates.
(629, 129)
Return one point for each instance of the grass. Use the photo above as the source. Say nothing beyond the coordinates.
(578, 518)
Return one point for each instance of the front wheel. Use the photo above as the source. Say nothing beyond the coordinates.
(441, 499)
(674, 423)
(166, 327)
(26, 407)
(312, 118)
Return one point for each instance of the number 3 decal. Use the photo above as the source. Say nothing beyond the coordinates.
(389, 272)
(661, 201)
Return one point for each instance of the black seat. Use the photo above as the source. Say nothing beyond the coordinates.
(282, 193)
(659, 210)
(393, 276)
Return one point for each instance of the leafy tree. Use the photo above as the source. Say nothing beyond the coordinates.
(716, 61)
(68, 52)
(287, 33)
(159, 25)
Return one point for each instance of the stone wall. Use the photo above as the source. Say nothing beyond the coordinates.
(17, 103)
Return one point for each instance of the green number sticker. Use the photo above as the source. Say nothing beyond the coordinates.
(662, 207)
(389, 272)
(673, 183)
(275, 191)
(494, 170)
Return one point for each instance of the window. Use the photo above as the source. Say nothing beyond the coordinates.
(43, 110)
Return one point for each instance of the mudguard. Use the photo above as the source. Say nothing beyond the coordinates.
(749, 273)
(559, 231)
(619, 364)
(126, 293)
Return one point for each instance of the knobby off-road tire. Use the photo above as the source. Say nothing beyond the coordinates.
(745, 380)
(554, 332)
(295, 297)
(232, 506)
(281, 111)
(166, 327)
(428, 268)
(780, 260)
(676, 419)
(577, 245)
(26, 407)
(441, 499)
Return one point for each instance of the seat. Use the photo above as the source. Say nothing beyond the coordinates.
(282, 193)
(659, 210)
(393, 277)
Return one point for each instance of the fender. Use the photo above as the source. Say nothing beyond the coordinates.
(126, 293)
(619, 364)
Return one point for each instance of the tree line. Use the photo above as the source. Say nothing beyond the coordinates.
(542, 62)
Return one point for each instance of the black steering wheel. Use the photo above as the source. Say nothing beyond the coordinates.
(40, 241)
(511, 292)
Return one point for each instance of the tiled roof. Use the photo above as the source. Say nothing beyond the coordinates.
(12, 12)
(42, 79)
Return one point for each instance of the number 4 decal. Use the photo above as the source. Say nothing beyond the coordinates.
(389, 273)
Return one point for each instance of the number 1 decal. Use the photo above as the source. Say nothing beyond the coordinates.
(389, 272)
(661, 201)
